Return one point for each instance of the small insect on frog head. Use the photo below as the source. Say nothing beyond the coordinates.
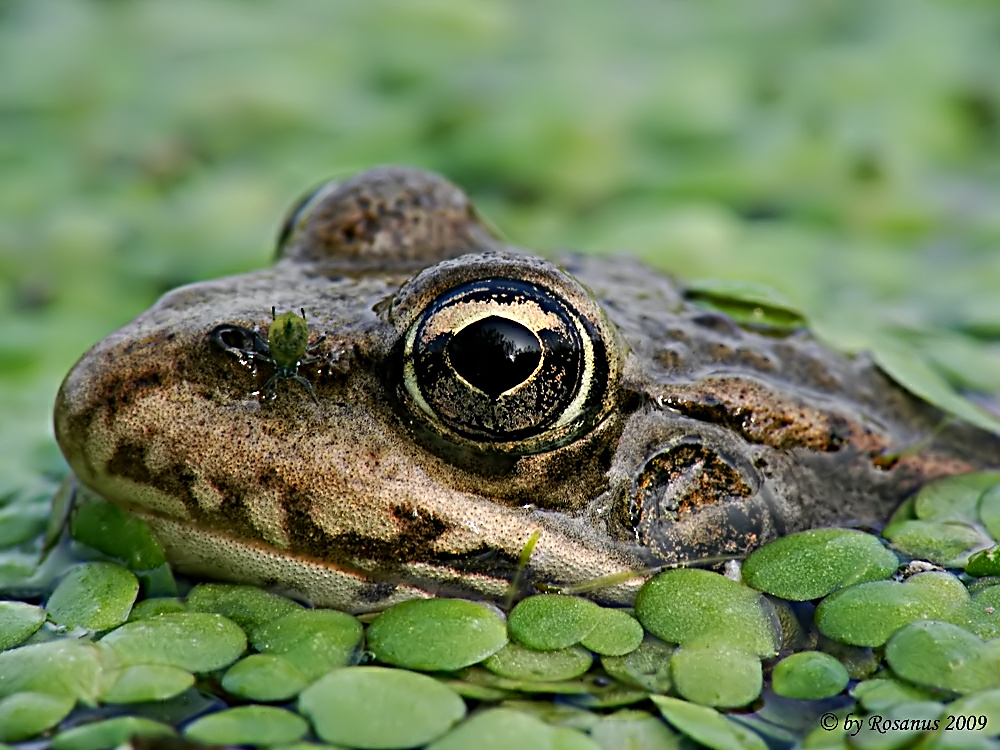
(287, 348)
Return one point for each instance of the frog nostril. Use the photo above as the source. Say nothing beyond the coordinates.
(494, 354)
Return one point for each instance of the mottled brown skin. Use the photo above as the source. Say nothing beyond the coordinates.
(709, 439)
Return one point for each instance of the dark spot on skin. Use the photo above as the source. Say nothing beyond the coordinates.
(716, 322)
(376, 592)
(233, 511)
(176, 480)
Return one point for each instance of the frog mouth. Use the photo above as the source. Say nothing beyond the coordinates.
(196, 551)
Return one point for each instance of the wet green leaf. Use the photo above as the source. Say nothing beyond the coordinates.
(868, 613)
(984, 563)
(194, 641)
(688, 604)
(18, 621)
(521, 663)
(978, 706)
(713, 672)
(809, 675)
(24, 715)
(904, 365)
(944, 656)
(264, 677)
(115, 532)
(878, 694)
(110, 733)
(160, 606)
(313, 640)
(812, 564)
(479, 675)
(547, 622)
(706, 725)
(897, 726)
(141, 683)
(378, 707)
(436, 634)
(502, 728)
(646, 668)
(95, 595)
(746, 302)
(988, 510)
(946, 543)
(247, 606)
(954, 498)
(65, 667)
(635, 730)
(616, 633)
(248, 725)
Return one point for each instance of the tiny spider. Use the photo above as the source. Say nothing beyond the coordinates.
(286, 348)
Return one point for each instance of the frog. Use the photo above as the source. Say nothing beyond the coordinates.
(477, 419)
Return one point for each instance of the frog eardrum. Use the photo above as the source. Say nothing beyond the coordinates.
(518, 363)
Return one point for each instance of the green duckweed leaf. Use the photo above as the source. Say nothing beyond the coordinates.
(503, 728)
(248, 725)
(141, 683)
(313, 640)
(706, 725)
(809, 675)
(944, 656)
(605, 694)
(988, 510)
(616, 633)
(981, 615)
(811, 564)
(688, 604)
(897, 726)
(159, 606)
(479, 675)
(115, 532)
(947, 543)
(95, 595)
(954, 498)
(65, 667)
(18, 620)
(882, 692)
(519, 662)
(436, 634)
(646, 668)
(248, 606)
(746, 302)
(195, 641)
(379, 707)
(910, 370)
(547, 622)
(984, 563)
(24, 715)
(980, 705)
(108, 733)
(264, 677)
(635, 730)
(715, 673)
(868, 613)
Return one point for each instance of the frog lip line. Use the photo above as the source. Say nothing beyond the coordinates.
(782, 433)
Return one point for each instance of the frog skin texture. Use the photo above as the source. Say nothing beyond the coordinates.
(623, 425)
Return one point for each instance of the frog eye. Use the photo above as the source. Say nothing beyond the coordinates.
(509, 364)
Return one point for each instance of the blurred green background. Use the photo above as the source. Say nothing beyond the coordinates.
(845, 152)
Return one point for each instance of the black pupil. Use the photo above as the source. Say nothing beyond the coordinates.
(494, 354)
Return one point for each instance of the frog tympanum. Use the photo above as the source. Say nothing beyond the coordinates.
(469, 395)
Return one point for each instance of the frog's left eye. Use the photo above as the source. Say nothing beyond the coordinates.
(510, 364)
